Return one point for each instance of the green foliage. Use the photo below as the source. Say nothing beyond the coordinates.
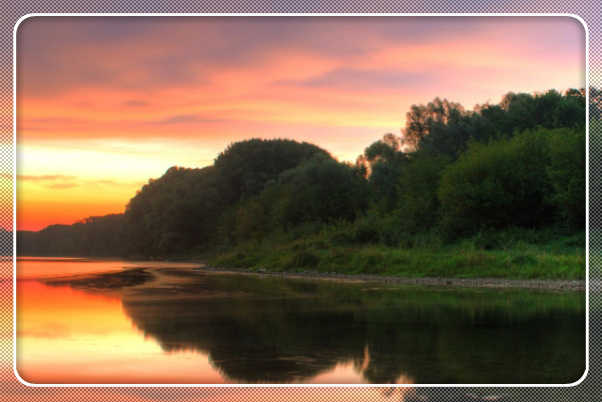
(497, 185)
(522, 181)
(445, 128)
(174, 213)
(251, 219)
(95, 236)
(418, 205)
(595, 167)
(387, 149)
(423, 120)
(384, 162)
(515, 253)
(318, 191)
(245, 167)
(549, 110)
(461, 193)
(302, 259)
(566, 172)
(190, 209)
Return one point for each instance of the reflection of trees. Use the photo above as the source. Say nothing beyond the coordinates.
(298, 331)
(254, 341)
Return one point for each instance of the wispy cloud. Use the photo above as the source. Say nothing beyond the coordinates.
(63, 182)
(140, 54)
(185, 118)
(363, 80)
(136, 103)
(45, 178)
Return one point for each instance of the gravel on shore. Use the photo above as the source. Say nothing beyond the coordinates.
(543, 284)
(140, 275)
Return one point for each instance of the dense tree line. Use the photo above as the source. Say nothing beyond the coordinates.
(454, 172)
(515, 158)
(95, 236)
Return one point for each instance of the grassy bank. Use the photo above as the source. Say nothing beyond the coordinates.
(508, 254)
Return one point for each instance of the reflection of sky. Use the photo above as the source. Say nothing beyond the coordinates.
(104, 104)
(71, 336)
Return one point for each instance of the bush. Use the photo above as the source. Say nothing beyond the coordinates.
(567, 176)
(245, 167)
(320, 190)
(418, 205)
(365, 232)
(302, 259)
(501, 184)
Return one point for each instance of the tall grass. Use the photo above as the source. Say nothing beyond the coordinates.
(515, 253)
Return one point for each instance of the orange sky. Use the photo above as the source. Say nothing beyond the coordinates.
(104, 103)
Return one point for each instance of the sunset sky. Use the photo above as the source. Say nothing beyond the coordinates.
(104, 103)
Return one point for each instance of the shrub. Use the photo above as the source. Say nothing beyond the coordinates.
(567, 175)
(302, 259)
(418, 205)
(497, 185)
(321, 190)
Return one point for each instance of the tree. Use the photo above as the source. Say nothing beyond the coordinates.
(566, 172)
(383, 161)
(245, 167)
(175, 213)
(497, 185)
(418, 204)
(320, 190)
(99, 236)
(421, 119)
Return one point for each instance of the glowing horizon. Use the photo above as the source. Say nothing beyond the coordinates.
(105, 103)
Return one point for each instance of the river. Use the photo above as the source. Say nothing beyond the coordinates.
(182, 324)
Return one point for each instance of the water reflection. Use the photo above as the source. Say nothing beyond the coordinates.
(188, 327)
(289, 331)
(67, 335)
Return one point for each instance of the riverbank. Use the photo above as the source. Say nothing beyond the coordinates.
(536, 261)
(561, 258)
(145, 275)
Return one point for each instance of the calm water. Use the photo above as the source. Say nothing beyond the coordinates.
(189, 326)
